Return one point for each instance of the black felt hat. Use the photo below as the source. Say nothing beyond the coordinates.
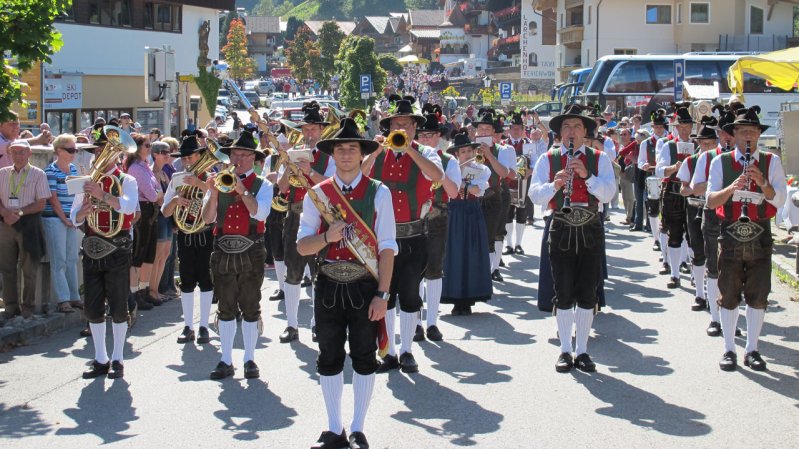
(516, 118)
(746, 116)
(572, 111)
(188, 146)
(348, 132)
(246, 141)
(402, 108)
(658, 117)
(485, 116)
(595, 113)
(709, 126)
(461, 140)
(726, 115)
(432, 124)
(313, 115)
(683, 116)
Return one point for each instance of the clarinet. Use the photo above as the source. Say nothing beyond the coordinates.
(567, 190)
(744, 218)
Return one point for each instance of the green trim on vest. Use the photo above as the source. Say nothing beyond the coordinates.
(409, 187)
(319, 166)
(555, 165)
(438, 194)
(226, 199)
(729, 175)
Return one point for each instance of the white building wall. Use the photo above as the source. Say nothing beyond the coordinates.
(95, 50)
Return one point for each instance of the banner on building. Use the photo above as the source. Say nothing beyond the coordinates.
(538, 38)
(63, 91)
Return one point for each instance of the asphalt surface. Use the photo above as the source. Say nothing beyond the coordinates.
(490, 383)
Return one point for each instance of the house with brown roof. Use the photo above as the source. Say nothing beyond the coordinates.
(314, 26)
(262, 35)
(390, 33)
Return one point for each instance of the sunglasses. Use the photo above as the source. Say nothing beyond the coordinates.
(70, 150)
(161, 152)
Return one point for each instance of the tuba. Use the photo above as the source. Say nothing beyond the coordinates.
(189, 218)
(119, 142)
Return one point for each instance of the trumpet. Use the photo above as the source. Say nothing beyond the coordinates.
(397, 140)
(744, 218)
(189, 218)
(226, 180)
(567, 189)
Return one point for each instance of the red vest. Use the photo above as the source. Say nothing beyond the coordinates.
(410, 190)
(557, 162)
(104, 217)
(362, 199)
(237, 219)
(518, 146)
(731, 170)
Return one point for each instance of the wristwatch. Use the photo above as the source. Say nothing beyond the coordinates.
(246, 193)
(382, 295)
(20, 213)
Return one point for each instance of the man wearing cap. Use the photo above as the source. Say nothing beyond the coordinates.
(710, 223)
(647, 160)
(351, 289)
(575, 235)
(194, 249)
(314, 171)
(745, 245)
(671, 154)
(517, 211)
(22, 199)
(695, 206)
(501, 160)
(125, 123)
(409, 173)
(430, 134)
(237, 261)
(106, 257)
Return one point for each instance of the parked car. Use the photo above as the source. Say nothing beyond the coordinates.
(224, 102)
(548, 109)
(265, 87)
(252, 97)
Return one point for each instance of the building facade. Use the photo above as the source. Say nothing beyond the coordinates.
(263, 33)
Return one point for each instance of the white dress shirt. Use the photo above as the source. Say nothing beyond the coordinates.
(263, 198)
(776, 176)
(385, 227)
(453, 171)
(701, 162)
(602, 186)
(610, 148)
(642, 159)
(128, 201)
(481, 180)
(664, 156)
(506, 155)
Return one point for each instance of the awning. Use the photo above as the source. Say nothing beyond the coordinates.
(426, 34)
(406, 49)
(412, 59)
(780, 68)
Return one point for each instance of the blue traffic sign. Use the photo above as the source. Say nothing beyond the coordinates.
(366, 83)
(679, 77)
(505, 91)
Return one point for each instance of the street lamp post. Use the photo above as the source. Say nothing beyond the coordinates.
(487, 84)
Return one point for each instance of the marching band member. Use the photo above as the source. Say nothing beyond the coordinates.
(710, 222)
(408, 171)
(314, 171)
(523, 147)
(351, 289)
(430, 134)
(467, 276)
(501, 160)
(194, 249)
(647, 160)
(572, 186)
(745, 243)
(670, 157)
(274, 225)
(106, 258)
(237, 261)
(707, 141)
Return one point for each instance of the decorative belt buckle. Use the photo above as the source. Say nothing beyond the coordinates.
(343, 272)
(234, 244)
(696, 202)
(744, 231)
(577, 217)
(97, 248)
(410, 229)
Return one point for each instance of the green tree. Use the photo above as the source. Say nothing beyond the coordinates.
(292, 25)
(27, 34)
(304, 57)
(356, 57)
(330, 38)
(241, 66)
(389, 63)
(224, 25)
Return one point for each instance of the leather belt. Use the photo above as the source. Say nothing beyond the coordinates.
(744, 232)
(695, 202)
(96, 247)
(577, 217)
(438, 210)
(410, 229)
(237, 244)
(344, 272)
(296, 207)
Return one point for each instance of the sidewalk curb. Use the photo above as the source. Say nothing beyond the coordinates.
(20, 332)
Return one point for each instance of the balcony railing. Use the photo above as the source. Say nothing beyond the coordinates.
(267, 49)
(503, 14)
(571, 37)
(749, 42)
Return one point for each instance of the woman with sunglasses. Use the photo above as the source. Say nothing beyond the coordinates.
(163, 170)
(61, 236)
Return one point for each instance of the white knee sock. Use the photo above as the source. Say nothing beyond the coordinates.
(362, 389)
(206, 299)
(653, 223)
(98, 337)
(674, 261)
(407, 329)
(280, 272)
(144, 285)
(307, 272)
(332, 387)
(433, 298)
(227, 333)
(729, 321)
(421, 295)
(519, 233)
(508, 234)
(664, 240)
(187, 302)
(292, 303)
(249, 330)
(491, 258)
(565, 319)
(313, 302)
(685, 252)
(699, 280)
(754, 324)
(391, 332)
(120, 331)
(583, 318)
(712, 297)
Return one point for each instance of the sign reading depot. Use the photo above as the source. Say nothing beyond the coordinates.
(63, 91)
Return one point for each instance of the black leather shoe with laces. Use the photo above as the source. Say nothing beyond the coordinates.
(714, 329)
(700, 304)
(496, 276)
(97, 370)
(278, 296)
(434, 334)
(564, 363)
(388, 363)
(418, 334)
(117, 370)
(222, 371)
(729, 361)
(754, 361)
(673, 283)
(508, 250)
(358, 441)
(518, 250)
(203, 336)
(408, 363)
(290, 334)
(584, 363)
(331, 440)
(186, 336)
(251, 370)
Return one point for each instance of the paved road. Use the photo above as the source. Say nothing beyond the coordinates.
(490, 383)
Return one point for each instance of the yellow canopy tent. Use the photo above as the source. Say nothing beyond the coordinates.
(780, 68)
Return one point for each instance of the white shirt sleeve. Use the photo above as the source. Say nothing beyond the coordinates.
(453, 171)
(506, 156)
(482, 180)
(331, 168)
(603, 186)
(264, 199)
(128, 201)
(663, 158)
(541, 189)
(715, 179)
(699, 171)
(642, 148)
(168, 195)
(430, 154)
(776, 177)
(310, 220)
(684, 173)
(385, 226)
(610, 148)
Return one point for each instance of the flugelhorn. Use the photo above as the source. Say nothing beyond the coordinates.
(119, 142)
(189, 218)
(567, 188)
(397, 140)
(226, 180)
(744, 218)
